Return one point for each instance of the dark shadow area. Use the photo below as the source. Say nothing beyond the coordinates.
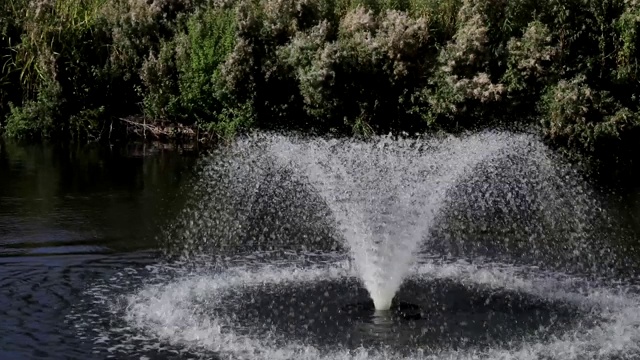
(429, 314)
(63, 200)
(399, 309)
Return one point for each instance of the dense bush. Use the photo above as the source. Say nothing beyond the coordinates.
(10, 31)
(70, 67)
(58, 65)
(183, 81)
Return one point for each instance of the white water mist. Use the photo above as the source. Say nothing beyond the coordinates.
(385, 193)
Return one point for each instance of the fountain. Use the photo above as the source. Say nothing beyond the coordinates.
(483, 246)
(386, 194)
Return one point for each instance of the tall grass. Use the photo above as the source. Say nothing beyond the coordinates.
(51, 60)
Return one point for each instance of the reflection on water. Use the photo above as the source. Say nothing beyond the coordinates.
(380, 325)
(68, 216)
(85, 200)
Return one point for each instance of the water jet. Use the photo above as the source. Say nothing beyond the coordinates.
(401, 310)
(385, 194)
(298, 248)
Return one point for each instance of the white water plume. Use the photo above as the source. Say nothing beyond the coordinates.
(388, 198)
(385, 193)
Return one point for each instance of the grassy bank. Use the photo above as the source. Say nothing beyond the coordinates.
(74, 68)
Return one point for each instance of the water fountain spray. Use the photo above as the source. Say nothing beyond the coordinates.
(384, 198)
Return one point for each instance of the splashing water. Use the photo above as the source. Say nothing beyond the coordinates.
(386, 197)
(385, 194)
(265, 276)
(170, 315)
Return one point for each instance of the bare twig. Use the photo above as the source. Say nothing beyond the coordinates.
(157, 130)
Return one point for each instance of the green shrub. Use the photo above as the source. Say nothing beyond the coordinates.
(628, 27)
(576, 114)
(462, 83)
(362, 80)
(183, 82)
(529, 66)
(209, 40)
(36, 118)
(352, 66)
(10, 25)
(159, 89)
(58, 64)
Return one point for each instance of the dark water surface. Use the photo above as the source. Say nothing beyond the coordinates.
(67, 218)
(79, 225)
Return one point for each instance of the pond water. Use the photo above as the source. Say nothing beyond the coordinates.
(265, 250)
(67, 218)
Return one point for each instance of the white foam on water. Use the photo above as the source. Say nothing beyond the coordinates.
(168, 313)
